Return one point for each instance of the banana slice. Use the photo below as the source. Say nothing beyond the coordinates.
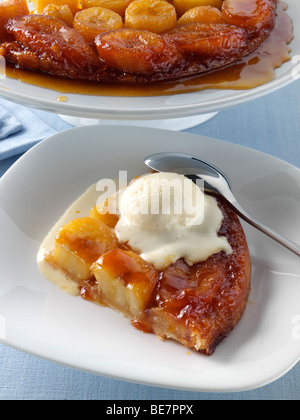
(155, 16)
(202, 14)
(213, 39)
(40, 5)
(183, 6)
(91, 22)
(137, 51)
(62, 12)
(118, 6)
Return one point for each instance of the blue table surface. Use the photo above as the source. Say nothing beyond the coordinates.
(270, 124)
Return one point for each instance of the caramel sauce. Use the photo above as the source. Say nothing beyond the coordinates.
(62, 99)
(87, 238)
(89, 291)
(254, 70)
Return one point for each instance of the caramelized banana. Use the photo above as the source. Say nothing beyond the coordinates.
(202, 14)
(253, 15)
(183, 6)
(80, 243)
(60, 12)
(110, 219)
(9, 10)
(40, 5)
(24, 58)
(118, 6)
(213, 40)
(58, 49)
(150, 15)
(136, 51)
(91, 22)
(126, 282)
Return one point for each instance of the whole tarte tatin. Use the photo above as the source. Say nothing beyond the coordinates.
(130, 46)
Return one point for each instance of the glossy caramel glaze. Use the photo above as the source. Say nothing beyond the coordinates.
(88, 238)
(50, 45)
(130, 56)
(253, 70)
(207, 299)
(8, 10)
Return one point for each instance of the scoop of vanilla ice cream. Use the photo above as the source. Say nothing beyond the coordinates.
(162, 201)
(165, 216)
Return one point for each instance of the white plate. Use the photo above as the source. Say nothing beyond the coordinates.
(157, 107)
(37, 317)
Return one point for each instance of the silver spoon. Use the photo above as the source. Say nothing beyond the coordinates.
(215, 180)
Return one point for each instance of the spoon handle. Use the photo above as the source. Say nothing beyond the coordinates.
(292, 246)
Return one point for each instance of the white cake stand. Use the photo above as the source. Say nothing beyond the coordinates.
(176, 124)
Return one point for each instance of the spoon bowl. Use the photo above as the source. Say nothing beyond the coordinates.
(215, 180)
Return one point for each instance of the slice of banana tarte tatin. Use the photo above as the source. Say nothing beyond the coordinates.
(179, 280)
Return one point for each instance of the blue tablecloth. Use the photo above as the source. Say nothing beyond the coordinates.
(270, 124)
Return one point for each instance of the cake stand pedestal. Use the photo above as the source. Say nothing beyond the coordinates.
(176, 124)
